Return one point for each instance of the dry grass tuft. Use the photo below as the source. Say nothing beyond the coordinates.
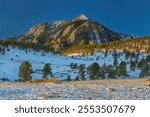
(148, 80)
(148, 85)
(46, 81)
(5, 83)
(111, 89)
(42, 96)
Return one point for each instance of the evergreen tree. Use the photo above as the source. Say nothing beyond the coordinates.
(77, 78)
(148, 58)
(68, 78)
(133, 55)
(73, 65)
(142, 63)
(115, 60)
(127, 54)
(81, 72)
(25, 72)
(103, 71)
(132, 65)
(145, 71)
(47, 71)
(3, 50)
(94, 71)
(122, 69)
(105, 54)
(111, 73)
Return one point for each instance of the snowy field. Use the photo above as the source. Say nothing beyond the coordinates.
(12, 59)
(73, 91)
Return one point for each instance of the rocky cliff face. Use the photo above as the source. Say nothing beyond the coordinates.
(61, 34)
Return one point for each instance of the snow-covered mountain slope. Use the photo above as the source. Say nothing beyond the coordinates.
(12, 59)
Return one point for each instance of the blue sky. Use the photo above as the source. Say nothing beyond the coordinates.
(126, 16)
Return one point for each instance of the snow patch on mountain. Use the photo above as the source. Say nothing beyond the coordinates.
(81, 17)
(56, 23)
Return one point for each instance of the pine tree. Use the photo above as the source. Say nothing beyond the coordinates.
(68, 78)
(3, 50)
(47, 71)
(145, 71)
(94, 71)
(122, 69)
(25, 72)
(103, 71)
(148, 58)
(142, 63)
(115, 60)
(81, 72)
(77, 78)
(111, 73)
(73, 65)
(132, 65)
(105, 54)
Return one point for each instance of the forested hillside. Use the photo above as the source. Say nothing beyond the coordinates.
(139, 45)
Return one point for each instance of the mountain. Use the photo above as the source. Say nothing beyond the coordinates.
(63, 34)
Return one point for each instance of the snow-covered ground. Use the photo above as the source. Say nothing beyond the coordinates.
(12, 59)
(74, 91)
(59, 64)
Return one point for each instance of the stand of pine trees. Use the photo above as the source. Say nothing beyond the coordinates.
(117, 70)
(26, 45)
(25, 71)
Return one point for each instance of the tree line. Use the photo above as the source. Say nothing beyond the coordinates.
(139, 45)
(26, 45)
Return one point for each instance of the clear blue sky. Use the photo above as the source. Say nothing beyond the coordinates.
(126, 16)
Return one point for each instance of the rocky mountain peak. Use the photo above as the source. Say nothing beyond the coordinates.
(81, 17)
(63, 34)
